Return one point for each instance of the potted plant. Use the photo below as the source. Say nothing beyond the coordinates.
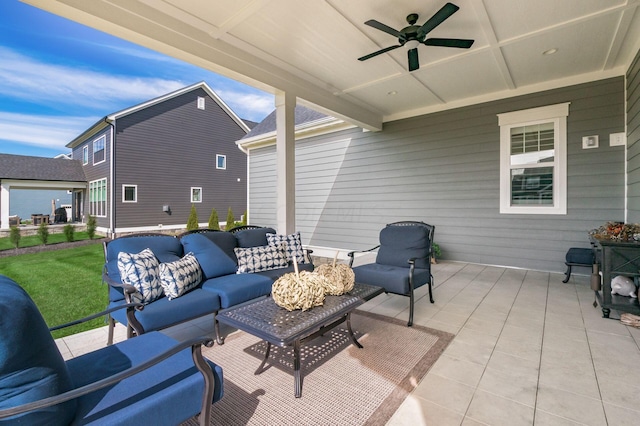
(436, 253)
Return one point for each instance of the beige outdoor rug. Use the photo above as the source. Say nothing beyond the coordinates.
(342, 385)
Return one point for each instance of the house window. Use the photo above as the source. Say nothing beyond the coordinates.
(85, 154)
(221, 161)
(196, 195)
(533, 160)
(129, 193)
(98, 150)
(200, 102)
(98, 198)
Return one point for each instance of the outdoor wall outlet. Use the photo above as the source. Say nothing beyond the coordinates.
(617, 139)
(589, 142)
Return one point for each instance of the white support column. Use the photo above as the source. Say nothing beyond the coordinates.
(4, 205)
(285, 164)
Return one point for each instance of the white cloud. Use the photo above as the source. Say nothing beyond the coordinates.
(52, 132)
(250, 106)
(26, 78)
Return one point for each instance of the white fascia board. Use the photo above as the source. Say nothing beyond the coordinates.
(319, 127)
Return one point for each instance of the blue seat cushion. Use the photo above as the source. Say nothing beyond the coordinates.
(168, 393)
(213, 260)
(165, 247)
(582, 256)
(274, 274)
(164, 313)
(31, 367)
(238, 288)
(253, 237)
(398, 244)
(394, 279)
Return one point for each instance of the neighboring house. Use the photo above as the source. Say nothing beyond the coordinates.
(447, 169)
(147, 165)
(29, 174)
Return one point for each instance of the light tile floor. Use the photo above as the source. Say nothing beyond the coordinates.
(529, 350)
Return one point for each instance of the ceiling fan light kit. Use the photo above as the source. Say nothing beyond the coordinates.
(414, 35)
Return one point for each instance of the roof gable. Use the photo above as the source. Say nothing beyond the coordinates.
(102, 123)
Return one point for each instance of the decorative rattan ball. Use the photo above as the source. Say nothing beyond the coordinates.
(339, 278)
(302, 291)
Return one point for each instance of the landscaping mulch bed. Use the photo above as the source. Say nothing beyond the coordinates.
(48, 247)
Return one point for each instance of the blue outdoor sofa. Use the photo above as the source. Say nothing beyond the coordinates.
(235, 267)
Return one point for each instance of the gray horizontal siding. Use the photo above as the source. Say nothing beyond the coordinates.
(633, 140)
(443, 169)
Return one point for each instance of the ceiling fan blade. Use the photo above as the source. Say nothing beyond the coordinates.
(449, 42)
(414, 64)
(437, 19)
(385, 28)
(379, 52)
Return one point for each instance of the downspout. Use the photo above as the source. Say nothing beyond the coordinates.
(112, 194)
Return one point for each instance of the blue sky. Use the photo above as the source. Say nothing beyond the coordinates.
(57, 78)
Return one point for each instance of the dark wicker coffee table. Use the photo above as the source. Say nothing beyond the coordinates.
(275, 325)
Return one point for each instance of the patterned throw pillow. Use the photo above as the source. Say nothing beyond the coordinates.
(293, 245)
(176, 278)
(141, 271)
(261, 258)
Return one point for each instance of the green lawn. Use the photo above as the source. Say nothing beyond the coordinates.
(34, 240)
(65, 284)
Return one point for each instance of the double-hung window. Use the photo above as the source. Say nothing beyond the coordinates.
(85, 155)
(196, 194)
(98, 197)
(99, 149)
(533, 160)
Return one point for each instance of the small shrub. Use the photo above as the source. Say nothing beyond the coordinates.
(192, 223)
(230, 220)
(92, 223)
(244, 218)
(43, 233)
(214, 223)
(436, 251)
(14, 236)
(69, 232)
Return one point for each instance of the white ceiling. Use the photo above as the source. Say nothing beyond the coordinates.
(310, 47)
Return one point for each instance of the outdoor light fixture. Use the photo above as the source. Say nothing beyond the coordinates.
(166, 209)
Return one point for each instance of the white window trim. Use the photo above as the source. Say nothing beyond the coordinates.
(85, 155)
(225, 161)
(199, 188)
(93, 213)
(93, 145)
(135, 194)
(553, 113)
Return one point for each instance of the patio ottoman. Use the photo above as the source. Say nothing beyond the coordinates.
(578, 257)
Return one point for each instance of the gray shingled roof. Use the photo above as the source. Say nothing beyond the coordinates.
(24, 167)
(302, 115)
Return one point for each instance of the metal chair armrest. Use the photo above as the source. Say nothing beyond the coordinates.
(352, 254)
(96, 315)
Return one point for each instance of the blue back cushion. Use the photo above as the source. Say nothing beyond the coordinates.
(31, 367)
(213, 261)
(400, 243)
(165, 247)
(254, 237)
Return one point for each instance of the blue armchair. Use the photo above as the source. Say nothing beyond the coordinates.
(403, 261)
(152, 379)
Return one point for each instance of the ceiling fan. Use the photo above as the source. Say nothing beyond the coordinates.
(413, 35)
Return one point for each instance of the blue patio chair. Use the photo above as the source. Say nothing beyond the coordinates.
(403, 261)
(152, 379)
